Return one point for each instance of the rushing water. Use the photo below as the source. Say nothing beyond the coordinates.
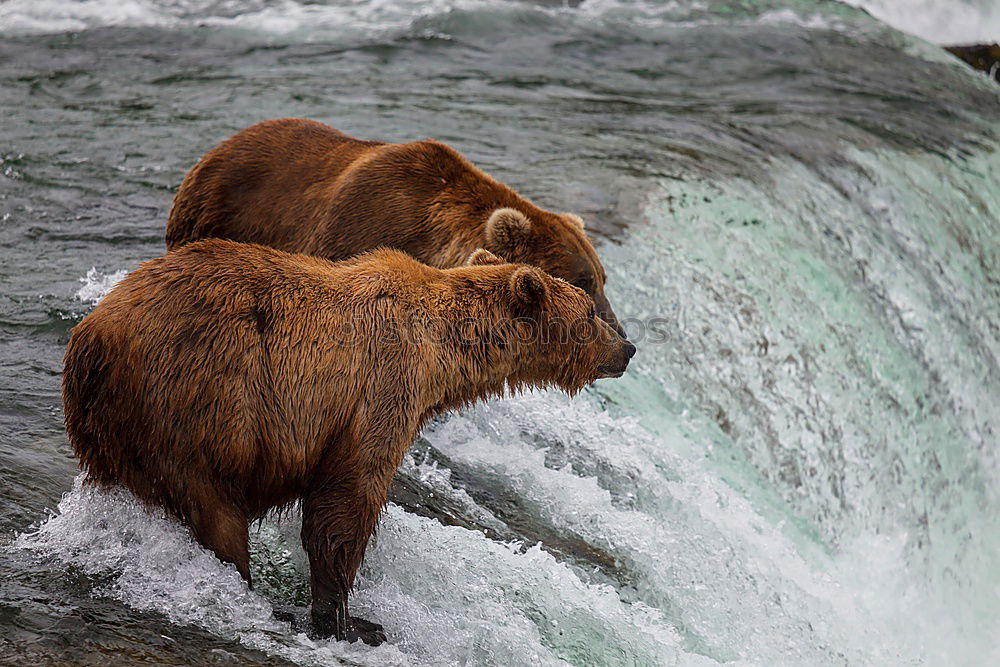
(949, 22)
(798, 208)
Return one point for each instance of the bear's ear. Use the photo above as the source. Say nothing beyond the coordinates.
(483, 257)
(575, 220)
(507, 228)
(527, 286)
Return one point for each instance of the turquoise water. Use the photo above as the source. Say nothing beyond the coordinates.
(799, 212)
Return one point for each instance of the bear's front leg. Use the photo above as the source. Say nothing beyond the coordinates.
(339, 515)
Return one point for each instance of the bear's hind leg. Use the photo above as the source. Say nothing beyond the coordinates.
(219, 525)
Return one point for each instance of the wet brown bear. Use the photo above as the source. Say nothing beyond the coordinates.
(302, 186)
(227, 379)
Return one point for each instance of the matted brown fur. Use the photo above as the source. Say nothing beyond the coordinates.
(302, 186)
(226, 379)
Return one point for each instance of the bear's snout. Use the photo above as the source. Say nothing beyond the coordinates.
(615, 367)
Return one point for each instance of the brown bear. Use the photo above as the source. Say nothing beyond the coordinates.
(304, 187)
(225, 379)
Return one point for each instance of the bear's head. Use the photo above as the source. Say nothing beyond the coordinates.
(558, 245)
(556, 335)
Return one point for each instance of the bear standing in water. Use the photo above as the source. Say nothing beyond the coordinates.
(226, 379)
(302, 186)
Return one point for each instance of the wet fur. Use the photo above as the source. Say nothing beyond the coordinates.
(304, 187)
(212, 382)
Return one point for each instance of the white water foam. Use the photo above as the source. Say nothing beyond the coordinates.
(446, 595)
(939, 21)
(152, 564)
(96, 285)
(43, 16)
(380, 18)
(740, 587)
(284, 17)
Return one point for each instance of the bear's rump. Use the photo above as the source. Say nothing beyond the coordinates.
(163, 407)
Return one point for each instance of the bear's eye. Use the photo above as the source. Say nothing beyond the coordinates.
(585, 283)
(592, 313)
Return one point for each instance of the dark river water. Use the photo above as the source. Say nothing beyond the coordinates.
(801, 465)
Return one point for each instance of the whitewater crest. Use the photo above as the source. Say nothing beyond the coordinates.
(449, 595)
(939, 21)
(284, 17)
(936, 20)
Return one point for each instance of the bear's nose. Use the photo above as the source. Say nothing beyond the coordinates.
(629, 349)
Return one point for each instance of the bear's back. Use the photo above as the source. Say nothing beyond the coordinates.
(226, 334)
(218, 278)
(240, 189)
(304, 187)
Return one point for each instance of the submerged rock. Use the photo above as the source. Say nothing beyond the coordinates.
(497, 513)
(985, 57)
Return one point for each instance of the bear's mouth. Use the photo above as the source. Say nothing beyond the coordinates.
(605, 373)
